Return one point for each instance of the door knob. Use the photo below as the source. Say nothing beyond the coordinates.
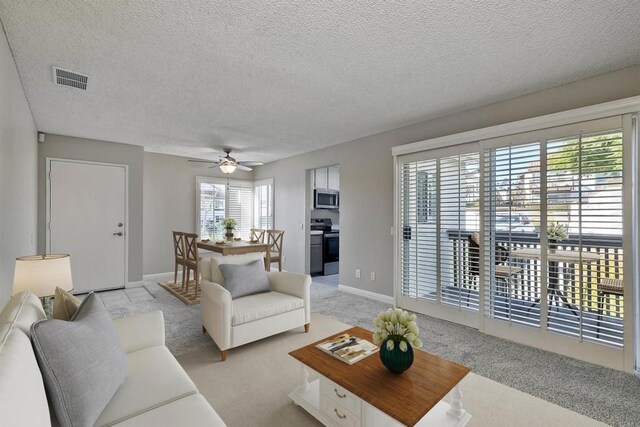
(119, 233)
(120, 224)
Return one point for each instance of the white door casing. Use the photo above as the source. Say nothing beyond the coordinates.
(86, 211)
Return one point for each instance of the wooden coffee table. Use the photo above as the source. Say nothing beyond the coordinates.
(368, 394)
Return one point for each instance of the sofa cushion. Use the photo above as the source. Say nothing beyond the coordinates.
(23, 310)
(243, 280)
(154, 378)
(82, 362)
(261, 306)
(192, 411)
(216, 261)
(65, 305)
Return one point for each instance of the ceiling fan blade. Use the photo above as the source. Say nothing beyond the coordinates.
(201, 161)
(243, 167)
(251, 163)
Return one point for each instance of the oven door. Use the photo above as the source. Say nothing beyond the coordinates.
(331, 247)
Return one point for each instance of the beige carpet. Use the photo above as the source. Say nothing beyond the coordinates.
(251, 388)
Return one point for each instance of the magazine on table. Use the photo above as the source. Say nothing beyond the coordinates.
(348, 349)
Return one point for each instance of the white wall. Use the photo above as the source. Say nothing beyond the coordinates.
(366, 175)
(170, 204)
(18, 171)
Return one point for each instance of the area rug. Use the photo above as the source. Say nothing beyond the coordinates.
(251, 387)
(187, 295)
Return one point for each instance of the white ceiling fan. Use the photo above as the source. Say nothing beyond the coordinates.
(228, 164)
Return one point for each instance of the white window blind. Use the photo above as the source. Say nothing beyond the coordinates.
(570, 180)
(439, 210)
(263, 204)
(220, 198)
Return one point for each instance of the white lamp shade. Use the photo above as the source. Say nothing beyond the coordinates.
(227, 168)
(41, 274)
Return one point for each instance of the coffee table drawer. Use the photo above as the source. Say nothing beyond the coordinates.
(338, 413)
(339, 395)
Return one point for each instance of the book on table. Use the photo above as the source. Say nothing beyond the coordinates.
(348, 349)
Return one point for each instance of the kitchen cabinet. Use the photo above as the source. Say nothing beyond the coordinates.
(333, 179)
(322, 178)
(328, 177)
(316, 264)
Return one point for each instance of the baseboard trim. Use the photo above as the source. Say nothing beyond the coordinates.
(367, 294)
(159, 276)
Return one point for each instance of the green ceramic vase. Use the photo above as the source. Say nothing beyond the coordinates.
(396, 360)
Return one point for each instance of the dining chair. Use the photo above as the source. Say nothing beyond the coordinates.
(274, 240)
(258, 234)
(607, 287)
(192, 262)
(502, 271)
(178, 254)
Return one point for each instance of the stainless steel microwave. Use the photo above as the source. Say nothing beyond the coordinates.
(326, 199)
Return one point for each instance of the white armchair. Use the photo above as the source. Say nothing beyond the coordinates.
(234, 322)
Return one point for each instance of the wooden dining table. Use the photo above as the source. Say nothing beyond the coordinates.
(237, 248)
(555, 256)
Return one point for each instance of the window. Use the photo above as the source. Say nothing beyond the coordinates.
(439, 211)
(220, 198)
(263, 204)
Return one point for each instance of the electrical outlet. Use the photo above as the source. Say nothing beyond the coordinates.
(357, 273)
(373, 275)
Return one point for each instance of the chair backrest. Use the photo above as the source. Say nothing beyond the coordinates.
(501, 254)
(191, 249)
(178, 244)
(258, 234)
(275, 240)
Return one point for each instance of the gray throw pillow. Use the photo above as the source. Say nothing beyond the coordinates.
(243, 280)
(82, 362)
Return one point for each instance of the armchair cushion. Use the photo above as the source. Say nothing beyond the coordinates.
(217, 261)
(260, 306)
(244, 280)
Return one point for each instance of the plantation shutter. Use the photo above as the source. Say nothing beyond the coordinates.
(263, 204)
(211, 207)
(568, 179)
(512, 221)
(240, 207)
(584, 195)
(439, 210)
(218, 199)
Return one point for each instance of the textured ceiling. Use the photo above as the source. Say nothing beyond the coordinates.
(277, 78)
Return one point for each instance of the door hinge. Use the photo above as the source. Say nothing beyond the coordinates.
(49, 175)
(49, 225)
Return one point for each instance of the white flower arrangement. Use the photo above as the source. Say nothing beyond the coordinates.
(396, 325)
(556, 231)
(228, 223)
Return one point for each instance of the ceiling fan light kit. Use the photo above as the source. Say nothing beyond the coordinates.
(228, 164)
(227, 168)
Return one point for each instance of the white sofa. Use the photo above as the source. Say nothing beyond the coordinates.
(232, 323)
(157, 391)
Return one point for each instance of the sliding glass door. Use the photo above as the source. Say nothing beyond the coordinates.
(522, 236)
(440, 212)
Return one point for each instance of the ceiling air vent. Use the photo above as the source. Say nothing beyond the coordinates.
(64, 77)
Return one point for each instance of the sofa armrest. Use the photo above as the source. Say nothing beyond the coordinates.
(294, 284)
(141, 331)
(215, 311)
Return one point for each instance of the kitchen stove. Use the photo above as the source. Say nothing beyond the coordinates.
(330, 245)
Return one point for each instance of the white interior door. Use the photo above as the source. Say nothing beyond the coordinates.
(87, 219)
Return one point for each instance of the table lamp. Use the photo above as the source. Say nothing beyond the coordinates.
(41, 274)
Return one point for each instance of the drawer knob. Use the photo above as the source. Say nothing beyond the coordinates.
(342, 417)
(341, 396)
